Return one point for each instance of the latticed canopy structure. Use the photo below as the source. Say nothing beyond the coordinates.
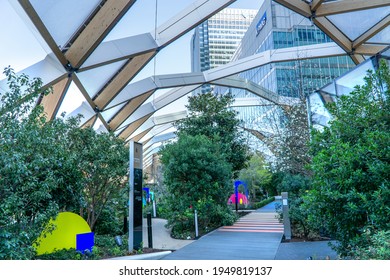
(82, 55)
(361, 28)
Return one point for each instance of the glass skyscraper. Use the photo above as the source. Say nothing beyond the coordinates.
(276, 27)
(215, 41)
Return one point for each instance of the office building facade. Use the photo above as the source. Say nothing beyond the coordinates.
(276, 27)
(215, 41)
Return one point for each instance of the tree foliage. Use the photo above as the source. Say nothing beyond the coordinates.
(297, 187)
(197, 176)
(257, 175)
(288, 137)
(285, 130)
(351, 165)
(210, 115)
(199, 167)
(50, 166)
(292, 143)
(38, 176)
(103, 159)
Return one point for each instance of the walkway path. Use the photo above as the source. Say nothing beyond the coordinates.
(162, 236)
(255, 236)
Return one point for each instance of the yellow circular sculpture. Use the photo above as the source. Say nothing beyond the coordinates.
(67, 226)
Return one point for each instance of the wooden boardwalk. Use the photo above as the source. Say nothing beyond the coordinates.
(255, 222)
(256, 236)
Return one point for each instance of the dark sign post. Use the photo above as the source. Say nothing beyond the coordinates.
(236, 196)
(135, 196)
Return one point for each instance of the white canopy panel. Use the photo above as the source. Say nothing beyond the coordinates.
(95, 50)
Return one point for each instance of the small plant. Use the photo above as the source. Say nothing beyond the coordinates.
(140, 250)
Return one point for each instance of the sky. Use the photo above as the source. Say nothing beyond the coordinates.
(20, 48)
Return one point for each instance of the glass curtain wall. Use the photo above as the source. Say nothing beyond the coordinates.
(276, 27)
(215, 41)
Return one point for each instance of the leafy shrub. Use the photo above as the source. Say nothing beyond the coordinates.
(375, 247)
(297, 187)
(105, 247)
(64, 254)
(199, 167)
(38, 174)
(351, 165)
(148, 208)
(196, 179)
(109, 222)
(210, 217)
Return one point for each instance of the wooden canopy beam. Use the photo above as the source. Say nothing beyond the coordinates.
(334, 33)
(315, 4)
(91, 122)
(121, 79)
(345, 6)
(128, 109)
(371, 32)
(51, 103)
(36, 20)
(138, 137)
(133, 127)
(95, 31)
(298, 6)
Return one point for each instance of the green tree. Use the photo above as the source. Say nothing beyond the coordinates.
(199, 167)
(52, 166)
(38, 176)
(210, 115)
(197, 176)
(257, 175)
(292, 142)
(103, 160)
(351, 165)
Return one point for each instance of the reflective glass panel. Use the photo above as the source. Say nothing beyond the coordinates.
(346, 83)
(382, 37)
(386, 53)
(175, 106)
(317, 105)
(354, 24)
(145, 109)
(330, 88)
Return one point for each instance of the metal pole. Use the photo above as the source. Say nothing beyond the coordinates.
(286, 217)
(131, 197)
(236, 195)
(154, 209)
(196, 224)
(150, 235)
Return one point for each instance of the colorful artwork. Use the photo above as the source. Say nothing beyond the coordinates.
(66, 226)
(85, 242)
(242, 199)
